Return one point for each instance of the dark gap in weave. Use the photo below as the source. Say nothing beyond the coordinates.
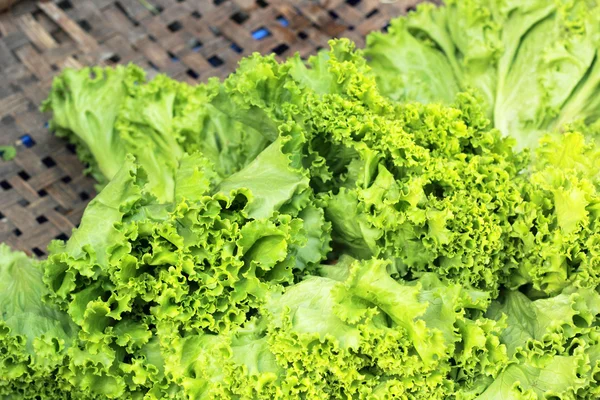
(218, 2)
(196, 45)
(66, 179)
(38, 252)
(302, 35)
(352, 3)
(192, 74)
(175, 26)
(115, 58)
(56, 36)
(2, 216)
(240, 17)
(196, 15)
(333, 14)
(23, 203)
(17, 232)
(65, 5)
(235, 47)
(24, 175)
(85, 25)
(7, 120)
(373, 12)
(262, 3)
(41, 219)
(62, 237)
(283, 21)
(37, 14)
(48, 162)
(5, 185)
(42, 193)
(216, 61)
(282, 48)
(84, 196)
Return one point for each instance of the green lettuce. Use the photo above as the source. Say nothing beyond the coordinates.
(137, 271)
(34, 336)
(557, 231)
(553, 343)
(109, 113)
(534, 63)
(354, 332)
(385, 223)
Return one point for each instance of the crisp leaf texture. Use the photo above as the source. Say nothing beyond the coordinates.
(34, 335)
(500, 49)
(416, 220)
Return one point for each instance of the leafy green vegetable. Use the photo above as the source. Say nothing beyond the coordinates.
(418, 220)
(8, 152)
(559, 224)
(137, 272)
(34, 336)
(108, 113)
(323, 338)
(534, 63)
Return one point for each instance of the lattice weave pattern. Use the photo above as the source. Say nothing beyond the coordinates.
(43, 190)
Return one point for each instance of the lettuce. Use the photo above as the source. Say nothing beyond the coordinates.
(395, 222)
(533, 63)
(35, 336)
(137, 271)
(109, 113)
(326, 337)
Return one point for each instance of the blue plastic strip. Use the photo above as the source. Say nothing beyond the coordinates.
(283, 22)
(27, 141)
(260, 33)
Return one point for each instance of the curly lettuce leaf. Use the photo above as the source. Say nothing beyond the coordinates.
(85, 105)
(136, 272)
(34, 335)
(553, 344)
(502, 50)
(556, 238)
(414, 70)
(556, 376)
(322, 338)
(269, 182)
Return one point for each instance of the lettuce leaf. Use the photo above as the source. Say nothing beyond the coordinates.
(34, 335)
(501, 50)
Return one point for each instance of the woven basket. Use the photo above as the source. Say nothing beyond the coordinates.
(43, 191)
(4, 4)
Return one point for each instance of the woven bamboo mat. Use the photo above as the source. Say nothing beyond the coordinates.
(43, 190)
